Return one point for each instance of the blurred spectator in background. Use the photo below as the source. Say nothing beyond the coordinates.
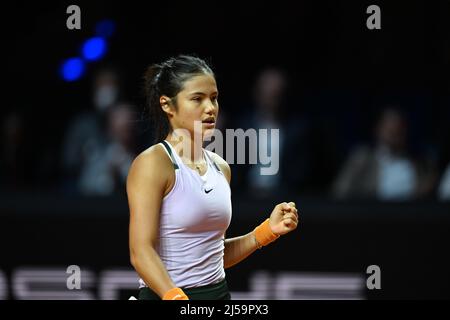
(15, 162)
(386, 171)
(444, 185)
(442, 130)
(104, 172)
(86, 133)
(270, 111)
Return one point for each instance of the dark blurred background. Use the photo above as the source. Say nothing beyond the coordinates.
(363, 118)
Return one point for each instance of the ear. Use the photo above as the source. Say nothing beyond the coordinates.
(166, 105)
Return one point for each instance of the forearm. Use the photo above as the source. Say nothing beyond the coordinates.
(151, 269)
(239, 248)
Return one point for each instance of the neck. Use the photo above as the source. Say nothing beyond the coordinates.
(186, 146)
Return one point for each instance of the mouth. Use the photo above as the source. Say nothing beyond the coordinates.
(209, 122)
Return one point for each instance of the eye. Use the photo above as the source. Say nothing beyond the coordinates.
(197, 99)
(214, 99)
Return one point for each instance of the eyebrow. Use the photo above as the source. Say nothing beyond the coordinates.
(201, 93)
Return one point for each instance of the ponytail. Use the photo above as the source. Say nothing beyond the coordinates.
(158, 119)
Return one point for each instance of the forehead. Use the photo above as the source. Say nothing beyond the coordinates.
(204, 83)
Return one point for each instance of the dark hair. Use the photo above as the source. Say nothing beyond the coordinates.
(168, 78)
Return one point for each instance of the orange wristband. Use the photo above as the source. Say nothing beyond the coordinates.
(175, 294)
(264, 235)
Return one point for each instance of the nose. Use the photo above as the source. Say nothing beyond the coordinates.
(210, 107)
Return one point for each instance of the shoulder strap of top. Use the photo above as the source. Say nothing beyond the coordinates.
(169, 151)
(212, 161)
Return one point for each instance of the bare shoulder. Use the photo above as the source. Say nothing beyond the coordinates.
(154, 155)
(223, 165)
(152, 163)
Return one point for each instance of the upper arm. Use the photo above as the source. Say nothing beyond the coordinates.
(146, 182)
(223, 165)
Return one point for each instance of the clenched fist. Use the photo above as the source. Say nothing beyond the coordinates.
(284, 218)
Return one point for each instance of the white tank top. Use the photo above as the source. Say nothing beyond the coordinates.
(193, 219)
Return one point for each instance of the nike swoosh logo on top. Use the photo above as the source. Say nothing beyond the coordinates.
(208, 191)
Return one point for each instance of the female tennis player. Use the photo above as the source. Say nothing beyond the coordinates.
(180, 199)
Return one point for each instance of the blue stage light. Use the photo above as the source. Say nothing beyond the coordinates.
(94, 48)
(72, 69)
(105, 28)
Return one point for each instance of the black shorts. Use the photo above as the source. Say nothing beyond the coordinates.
(216, 291)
